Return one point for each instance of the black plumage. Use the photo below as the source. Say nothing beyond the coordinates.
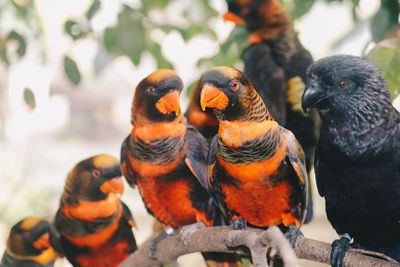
(357, 162)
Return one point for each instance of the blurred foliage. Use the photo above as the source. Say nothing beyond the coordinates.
(141, 28)
(71, 69)
(23, 23)
(232, 49)
(132, 35)
(29, 99)
(386, 55)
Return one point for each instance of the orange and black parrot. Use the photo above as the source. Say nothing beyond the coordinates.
(276, 63)
(166, 157)
(94, 225)
(204, 121)
(28, 245)
(257, 167)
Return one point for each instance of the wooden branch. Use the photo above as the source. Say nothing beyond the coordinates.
(225, 239)
(314, 250)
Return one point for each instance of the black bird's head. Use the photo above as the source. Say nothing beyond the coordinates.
(347, 89)
(93, 179)
(232, 95)
(256, 14)
(157, 97)
(29, 240)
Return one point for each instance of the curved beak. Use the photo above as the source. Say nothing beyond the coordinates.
(212, 97)
(115, 185)
(314, 97)
(42, 242)
(169, 103)
(230, 16)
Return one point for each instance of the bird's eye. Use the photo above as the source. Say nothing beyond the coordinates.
(151, 90)
(343, 84)
(235, 85)
(96, 173)
(245, 11)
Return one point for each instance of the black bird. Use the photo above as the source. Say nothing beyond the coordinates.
(357, 162)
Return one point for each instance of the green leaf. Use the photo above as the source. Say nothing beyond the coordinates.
(127, 37)
(3, 53)
(94, 7)
(74, 29)
(29, 99)
(13, 35)
(386, 55)
(162, 62)
(71, 69)
(300, 7)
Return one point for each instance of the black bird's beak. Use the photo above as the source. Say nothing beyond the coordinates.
(314, 97)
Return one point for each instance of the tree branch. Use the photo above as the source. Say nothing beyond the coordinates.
(225, 239)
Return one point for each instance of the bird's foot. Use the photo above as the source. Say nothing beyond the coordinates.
(339, 248)
(239, 224)
(154, 243)
(292, 233)
(187, 230)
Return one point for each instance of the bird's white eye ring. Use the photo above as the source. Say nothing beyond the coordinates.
(343, 84)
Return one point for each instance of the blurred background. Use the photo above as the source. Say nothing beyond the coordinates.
(68, 70)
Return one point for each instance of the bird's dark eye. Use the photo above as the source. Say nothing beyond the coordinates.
(151, 90)
(235, 85)
(343, 84)
(245, 11)
(96, 173)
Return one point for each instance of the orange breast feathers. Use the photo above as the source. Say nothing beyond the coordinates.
(260, 203)
(92, 210)
(170, 201)
(153, 131)
(235, 133)
(99, 238)
(106, 256)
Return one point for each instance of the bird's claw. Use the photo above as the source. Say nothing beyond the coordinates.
(339, 248)
(239, 224)
(187, 230)
(154, 243)
(292, 234)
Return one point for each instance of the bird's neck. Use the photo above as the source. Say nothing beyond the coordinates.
(158, 143)
(236, 133)
(148, 131)
(92, 210)
(359, 135)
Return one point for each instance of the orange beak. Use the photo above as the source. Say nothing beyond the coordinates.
(212, 97)
(115, 185)
(230, 16)
(42, 242)
(169, 103)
